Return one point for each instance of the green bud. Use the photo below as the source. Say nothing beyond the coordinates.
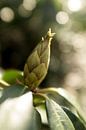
(37, 64)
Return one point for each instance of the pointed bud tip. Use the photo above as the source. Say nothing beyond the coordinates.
(50, 34)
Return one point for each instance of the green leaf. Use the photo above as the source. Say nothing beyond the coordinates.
(11, 92)
(17, 113)
(42, 110)
(71, 100)
(36, 121)
(75, 120)
(10, 76)
(58, 120)
(68, 98)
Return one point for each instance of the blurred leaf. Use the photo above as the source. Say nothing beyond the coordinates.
(73, 102)
(16, 114)
(11, 92)
(10, 76)
(75, 120)
(58, 120)
(36, 122)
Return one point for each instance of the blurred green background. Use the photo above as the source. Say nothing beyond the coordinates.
(24, 22)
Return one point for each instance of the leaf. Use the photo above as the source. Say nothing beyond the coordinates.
(36, 121)
(68, 98)
(58, 120)
(11, 92)
(75, 120)
(10, 76)
(73, 102)
(71, 99)
(37, 64)
(17, 113)
(42, 110)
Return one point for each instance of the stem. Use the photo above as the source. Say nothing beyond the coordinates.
(42, 95)
(42, 98)
(47, 90)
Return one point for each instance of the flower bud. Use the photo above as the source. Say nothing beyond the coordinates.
(37, 64)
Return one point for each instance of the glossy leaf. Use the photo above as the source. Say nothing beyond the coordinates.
(58, 120)
(16, 114)
(73, 102)
(68, 98)
(75, 120)
(11, 92)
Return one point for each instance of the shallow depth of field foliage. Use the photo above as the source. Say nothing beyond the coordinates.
(25, 106)
(58, 100)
